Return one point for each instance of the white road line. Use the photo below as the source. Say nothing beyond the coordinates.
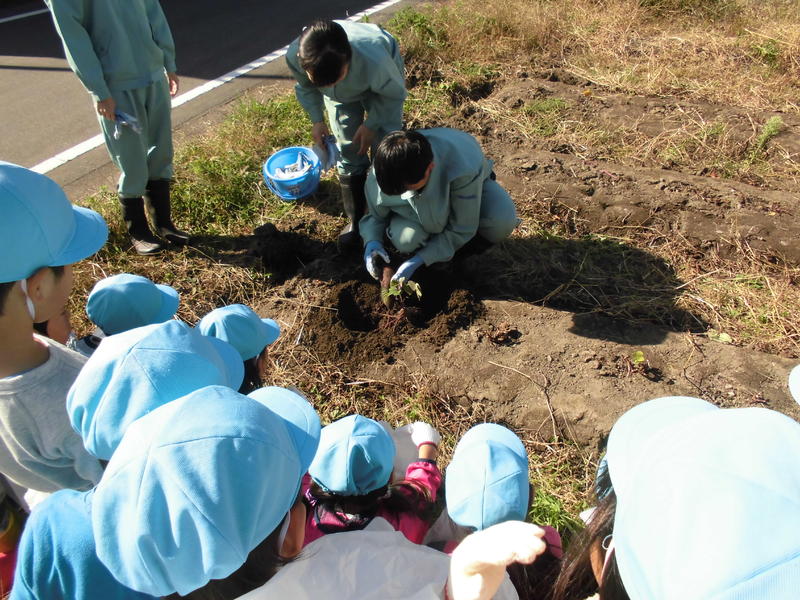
(71, 153)
(23, 15)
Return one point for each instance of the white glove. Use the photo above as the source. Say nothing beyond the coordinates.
(372, 252)
(478, 564)
(420, 433)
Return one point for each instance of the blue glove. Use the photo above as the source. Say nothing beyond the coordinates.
(372, 252)
(406, 270)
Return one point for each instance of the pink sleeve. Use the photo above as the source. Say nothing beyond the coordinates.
(305, 485)
(425, 474)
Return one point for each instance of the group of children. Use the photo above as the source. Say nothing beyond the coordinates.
(162, 472)
(159, 465)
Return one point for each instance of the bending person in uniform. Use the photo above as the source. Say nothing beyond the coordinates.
(432, 192)
(354, 72)
(124, 55)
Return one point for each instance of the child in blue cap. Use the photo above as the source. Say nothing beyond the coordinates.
(354, 72)
(202, 495)
(130, 375)
(125, 301)
(251, 335)
(41, 235)
(487, 482)
(350, 481)
(696, 489)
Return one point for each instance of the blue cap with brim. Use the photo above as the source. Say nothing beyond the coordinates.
(487, 481)
(710, 507)
(56, 557)
(355, 457)
(301, 419)
(241, 327)
(126, 301)
(132, 373)
(635, 427)
(794, 383)
(192, 489)
(39, 227)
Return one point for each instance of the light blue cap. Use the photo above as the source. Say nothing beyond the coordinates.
(126, 301)
(487, 481)
(192, 489)
(132, 373)
(39, 227)
(242, 328)
(57, 557)
(709, 507)
(355, 457)
(794, 383)
(301, 419)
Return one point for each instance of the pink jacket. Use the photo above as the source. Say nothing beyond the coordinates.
(424, 473)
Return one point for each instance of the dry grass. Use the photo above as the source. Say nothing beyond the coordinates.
(700, 54)
(648, 48)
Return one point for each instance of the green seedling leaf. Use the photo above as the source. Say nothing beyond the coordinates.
(402, 287)
(638, 357)
(719, 336)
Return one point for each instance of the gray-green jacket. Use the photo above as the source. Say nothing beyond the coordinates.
(448, 207)
(114, 45)
(375, 77)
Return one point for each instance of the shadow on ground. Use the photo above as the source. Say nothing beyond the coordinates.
(617, 292)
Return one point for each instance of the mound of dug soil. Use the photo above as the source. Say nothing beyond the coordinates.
(351, 327)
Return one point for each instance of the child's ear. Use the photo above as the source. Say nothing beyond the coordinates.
(296, 534)
(38, 284)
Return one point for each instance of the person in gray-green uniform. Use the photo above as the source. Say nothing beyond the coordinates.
(124, 55)
(431, 192)
(354, 72)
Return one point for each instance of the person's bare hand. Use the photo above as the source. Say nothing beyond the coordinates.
(174, 83)
(106, 108)
(319, 131)
(363, 139)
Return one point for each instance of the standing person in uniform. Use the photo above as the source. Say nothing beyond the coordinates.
(431, 192)
(355, 73)
(124, 55)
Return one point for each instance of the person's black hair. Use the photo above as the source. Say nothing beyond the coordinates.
(536, 580)
(261, 565)
(252, 374)
(41, 328)
(576, 579)
(5, 289)
(403, 497)
(324, 52)
(401, 159)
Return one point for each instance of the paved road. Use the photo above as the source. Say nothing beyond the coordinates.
(45, 110)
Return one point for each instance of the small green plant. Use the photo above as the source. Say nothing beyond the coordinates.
(400, 288)
(769, 52)
(771, 128)
(638, 358)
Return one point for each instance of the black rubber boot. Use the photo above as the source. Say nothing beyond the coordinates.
(354, 202)
(157, 197)
(144, 242)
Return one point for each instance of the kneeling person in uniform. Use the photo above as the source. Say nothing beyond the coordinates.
(431, 192)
